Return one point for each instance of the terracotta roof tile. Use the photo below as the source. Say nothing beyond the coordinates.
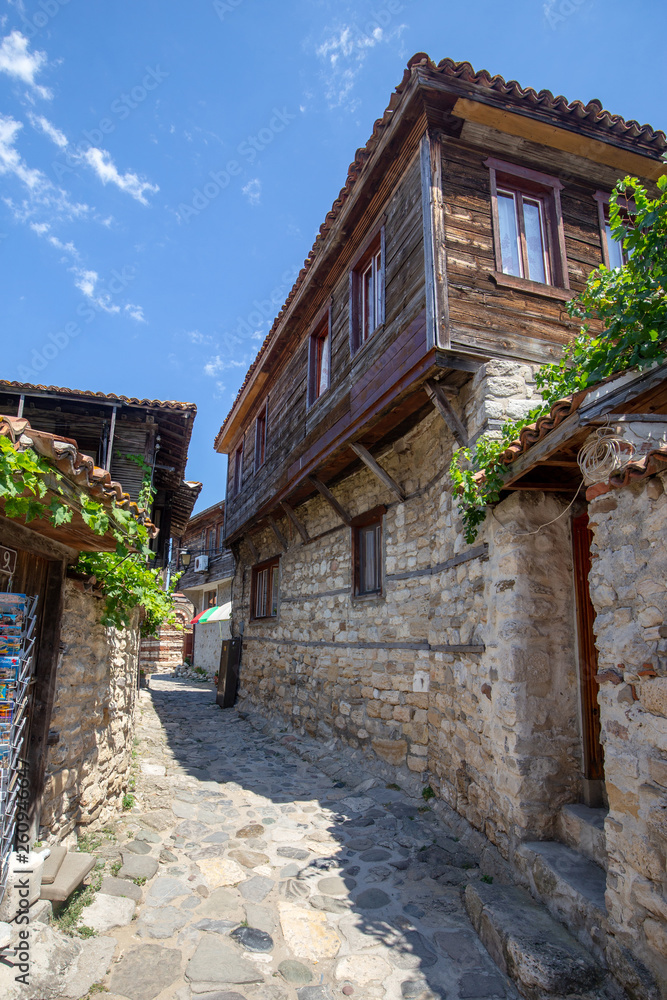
(77, 468)
(170, 404)
(532, 433)
(610, 127)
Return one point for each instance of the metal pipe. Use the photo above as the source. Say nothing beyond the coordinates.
(19, 412)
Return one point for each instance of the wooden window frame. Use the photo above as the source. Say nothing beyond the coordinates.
(238, 467)
(373, 246)
(211, 534)
(272, 596)
(261, 422)
(371, 517)
(321, 330)
(603, 199)
(546, 189)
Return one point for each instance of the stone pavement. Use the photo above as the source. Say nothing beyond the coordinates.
(248, 872)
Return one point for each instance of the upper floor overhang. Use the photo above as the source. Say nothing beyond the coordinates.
(442, 98)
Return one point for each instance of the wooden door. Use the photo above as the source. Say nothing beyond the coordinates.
(588, 654)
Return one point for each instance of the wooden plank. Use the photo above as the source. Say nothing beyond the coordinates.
(383, 476)
(447, 413)
(278, 533)
(330, 498)
(296, 521)
(429, 246)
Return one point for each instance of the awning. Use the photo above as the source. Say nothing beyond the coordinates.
(219, 613)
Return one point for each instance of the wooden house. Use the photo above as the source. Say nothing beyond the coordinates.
(437, 284)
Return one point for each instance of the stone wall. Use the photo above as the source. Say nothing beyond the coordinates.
(629, 593)
(87, 770)
(164, 651)
(464, 671)
(209, 637)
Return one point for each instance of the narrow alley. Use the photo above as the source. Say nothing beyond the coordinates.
(262, 876)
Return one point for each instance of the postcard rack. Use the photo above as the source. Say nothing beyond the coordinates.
(17, 640)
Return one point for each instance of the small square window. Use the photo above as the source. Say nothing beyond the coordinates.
(367, 552)
(264, 589)
(367, 287)
(238, 469)
(528, 234)
(319, 359)
(260, 437)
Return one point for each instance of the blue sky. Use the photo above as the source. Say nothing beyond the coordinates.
(165, 166)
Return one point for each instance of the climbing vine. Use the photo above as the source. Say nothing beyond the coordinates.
(629, 303)
(123, 576)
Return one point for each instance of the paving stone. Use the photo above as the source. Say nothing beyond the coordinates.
(252, 939)
(372, 899)
(148, 836)
(289, 871)
(216, 961)
(145, 971)
(359, 844)
(167, 856)
(190, 903)
(458, 944)
(222, 904)
(254, 830)
(257, 888)
(165, 888)
(295, 972)
(336, 886)
(413, 952)
(293, 888)
(413, 989)
(215, 926)
(221, 872)
(218, 995)
(261, 917)
(362, 969)
(147, 767)
(480, 986)
(219, 837)
(293, 852)
(107, 912)
(249, 859)
(184, 810)
(161, 922)
(137, 847)
(315, 993)
(375, 854)
(159, 819)
(191, 829)
(121, 887)
(330, 904)
(308, 932)
(138, 866)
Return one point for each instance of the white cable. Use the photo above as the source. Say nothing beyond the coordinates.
(603, 454)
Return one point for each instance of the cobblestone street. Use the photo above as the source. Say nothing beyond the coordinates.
(264, 877)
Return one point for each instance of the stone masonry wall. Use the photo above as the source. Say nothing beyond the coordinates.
(629, 593)
(495, 733)
(88, 768)
(164, 651)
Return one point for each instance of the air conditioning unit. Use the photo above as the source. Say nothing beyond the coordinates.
(201, 564)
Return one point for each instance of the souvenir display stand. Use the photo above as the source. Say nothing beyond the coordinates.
(17, 640)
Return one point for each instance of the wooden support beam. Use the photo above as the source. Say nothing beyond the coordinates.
(383, 476)
(278, 533)
(330, 498)
(253, 551)
(444, 407)
(297, 522)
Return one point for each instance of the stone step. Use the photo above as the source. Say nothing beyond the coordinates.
(571, 887)
(582, 828)
(53, 863)
(532, 948)
(72, 871)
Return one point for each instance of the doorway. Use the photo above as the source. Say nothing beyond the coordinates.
(592, 751)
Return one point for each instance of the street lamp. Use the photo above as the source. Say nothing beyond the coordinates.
(185, 558)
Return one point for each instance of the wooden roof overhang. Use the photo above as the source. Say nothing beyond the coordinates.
(550, 464)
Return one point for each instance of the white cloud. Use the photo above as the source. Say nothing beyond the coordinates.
(198, 338)
(344, 52)
(217, 365)
(86, 281)
(253, 191)
(10, 158)
(101, 162)
(40, 227)
(65, 247)
(136, 312)
(16, 61)
(42, 124)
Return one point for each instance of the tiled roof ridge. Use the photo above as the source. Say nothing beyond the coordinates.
(532, 433)
(171, 404)
(78, 468)
(593, 112)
